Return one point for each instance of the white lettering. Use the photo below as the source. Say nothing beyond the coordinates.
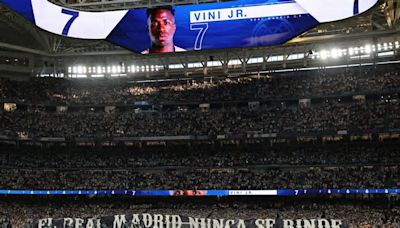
(229, 222)
(259, 223)
(248, 12)
(241, 224)
(68, 222)
(135, 219)
(42, 223)
(194, 222)
(218, 223)
(176, 221)
(336, 223)
(288, 223)
(269, 223)
(308, 223)
(147, 220)
(323, 223)
(79, 223)
(119, 221)
(158, 221)
(90, 223)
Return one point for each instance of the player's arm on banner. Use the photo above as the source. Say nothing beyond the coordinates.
(334, 10)
(67, 22)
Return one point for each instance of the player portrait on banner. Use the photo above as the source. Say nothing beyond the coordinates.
(219, 25)
(161, 26)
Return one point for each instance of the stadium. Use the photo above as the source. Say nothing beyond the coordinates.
(200, 114)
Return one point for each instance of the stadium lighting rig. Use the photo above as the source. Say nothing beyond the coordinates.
(380, 49)
(366, 51)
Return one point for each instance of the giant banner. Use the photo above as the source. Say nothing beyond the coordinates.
(147, 220)
(234, 24)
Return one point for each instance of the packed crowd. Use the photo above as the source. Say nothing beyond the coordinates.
(204, 156)
(337, 165)
(275, 117)
(5, 223)
(200, 178)
(293, 85)
(249, 166)
(267, 118)
(355, 213)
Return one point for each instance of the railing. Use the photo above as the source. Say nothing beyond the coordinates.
(343, 133)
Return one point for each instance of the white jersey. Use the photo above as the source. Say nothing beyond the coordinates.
(176, 49)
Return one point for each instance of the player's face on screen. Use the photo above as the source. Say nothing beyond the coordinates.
(162, 28)
(195, 192)
(190, 192)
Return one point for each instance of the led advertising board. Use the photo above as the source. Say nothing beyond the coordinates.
(234, 24)
(152, 193)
